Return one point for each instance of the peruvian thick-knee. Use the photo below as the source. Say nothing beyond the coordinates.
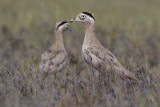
(94, 54)
(55, 58)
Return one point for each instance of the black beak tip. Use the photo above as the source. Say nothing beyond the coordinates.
(71, 20)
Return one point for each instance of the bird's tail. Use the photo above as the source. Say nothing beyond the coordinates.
(129, 75)
(125, 74)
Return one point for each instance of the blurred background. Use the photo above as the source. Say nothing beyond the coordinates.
(129, 28)
(134, 18)
(30, 22)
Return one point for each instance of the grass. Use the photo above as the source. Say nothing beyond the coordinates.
(130, 29)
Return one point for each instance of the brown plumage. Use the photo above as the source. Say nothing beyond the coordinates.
(55, 58)
(94, 54)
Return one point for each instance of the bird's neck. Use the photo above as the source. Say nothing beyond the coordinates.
(59, 40)
(89, 35)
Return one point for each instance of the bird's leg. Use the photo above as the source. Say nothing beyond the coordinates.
(68, 71)
(93, 72)
(55, 76)
(93, 82)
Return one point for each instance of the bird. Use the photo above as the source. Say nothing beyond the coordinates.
(55, 58)
(94, 54)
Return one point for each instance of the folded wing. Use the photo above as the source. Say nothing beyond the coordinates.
(53, 61)
(102, 59)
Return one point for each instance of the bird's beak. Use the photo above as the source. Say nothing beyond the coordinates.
(72, 20)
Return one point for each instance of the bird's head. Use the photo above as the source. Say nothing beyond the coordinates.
(84, 17)
(62, 26)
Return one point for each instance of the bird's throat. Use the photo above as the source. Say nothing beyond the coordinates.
(89, 35)
(59, 40)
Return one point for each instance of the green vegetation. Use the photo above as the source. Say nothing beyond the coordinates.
(129, 28)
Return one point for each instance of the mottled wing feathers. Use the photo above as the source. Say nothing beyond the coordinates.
(91, 59)
(100, 55)
(53, 60)
(101, 58)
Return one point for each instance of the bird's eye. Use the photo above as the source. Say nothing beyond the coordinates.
(82, 17)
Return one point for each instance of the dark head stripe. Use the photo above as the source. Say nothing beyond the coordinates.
(61, 24)
(89, 14)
